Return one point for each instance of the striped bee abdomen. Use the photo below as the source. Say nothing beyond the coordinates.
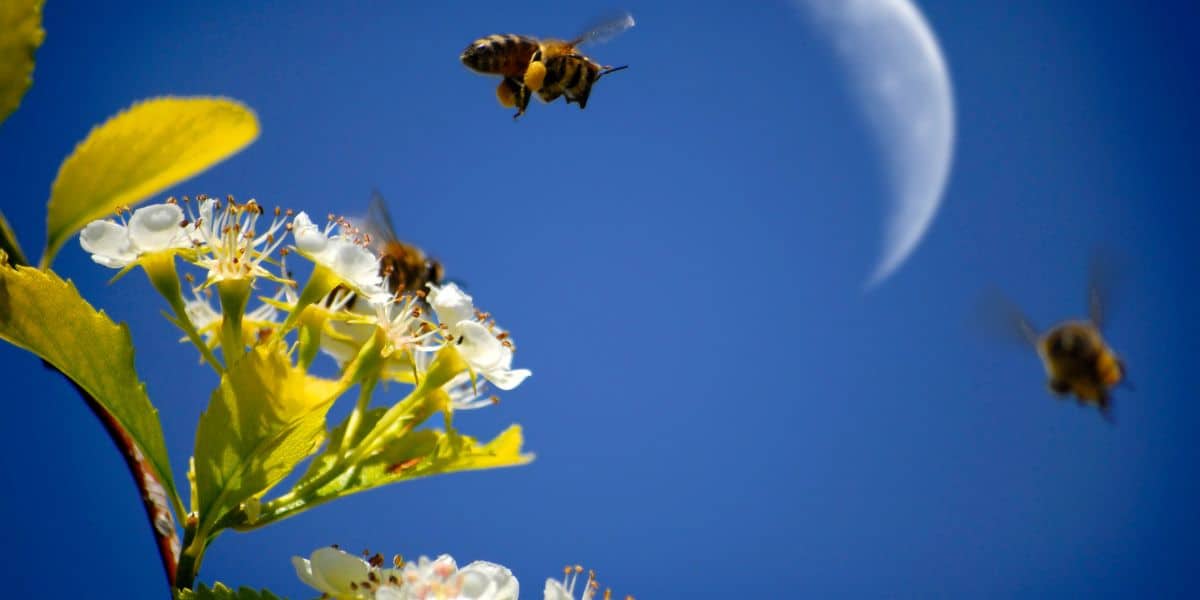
(501, 54)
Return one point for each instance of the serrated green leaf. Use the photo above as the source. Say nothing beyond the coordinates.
(8, 243)
(140, 152)
(220, 591)
(46, 316)
(20, 35)
(264, 419)
(425, 453)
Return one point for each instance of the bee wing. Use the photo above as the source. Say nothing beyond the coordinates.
(605, 29)
(1002, 318)
(378, 222)
(1102, 275)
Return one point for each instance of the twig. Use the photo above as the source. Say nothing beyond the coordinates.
(150, 488)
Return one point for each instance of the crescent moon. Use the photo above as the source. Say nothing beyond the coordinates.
(902, 84)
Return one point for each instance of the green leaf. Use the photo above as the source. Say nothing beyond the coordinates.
(8, 243)
(140, 152)
(425, 453)
(46, 316)
(264, 418)
(20, 35)
(220, 592)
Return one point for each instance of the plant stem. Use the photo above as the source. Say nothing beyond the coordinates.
(364, 398)
(234, 294)
(158, 512)
(194, 545)
(319, 284)
(161, 272)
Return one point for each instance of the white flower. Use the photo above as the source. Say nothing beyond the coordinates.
(207, 320)
(347, 257)
(345, 577)
(484, 346)
(565, 589)
(440, 578)
(465, 395)
(152, 228)
(233, 249)
(354, 321)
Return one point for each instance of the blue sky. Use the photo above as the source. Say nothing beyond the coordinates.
(717, 407)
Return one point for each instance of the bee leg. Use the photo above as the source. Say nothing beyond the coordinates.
(1105, 405)
(1059, 387)
(523, 97)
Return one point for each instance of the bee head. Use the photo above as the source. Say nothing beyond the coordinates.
(475, 53)
(434, 271)
(1062, 342)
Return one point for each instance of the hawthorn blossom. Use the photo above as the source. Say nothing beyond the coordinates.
(345, 256)
(487, 348)
(231, 246)
(343, 576)
(207, 320)
(153, 228)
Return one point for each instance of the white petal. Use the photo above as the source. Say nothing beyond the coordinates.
(157, 227)
(389, 592)
(451, 304)
(555, 591)
(484, 580)
(108, 243)
(201, 313)
(337, 570)
(506, 379)
(356, 265)
(305, 573)
(479, 346)
(309, 238)
(206, 210)
(444, 563)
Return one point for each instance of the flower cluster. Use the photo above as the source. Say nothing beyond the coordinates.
(342, 576)
(231, 244)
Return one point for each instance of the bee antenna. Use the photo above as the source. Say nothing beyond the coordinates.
(608, 70)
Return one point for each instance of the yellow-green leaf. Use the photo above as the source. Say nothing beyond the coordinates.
(220, 591)
(20, 35)
(429, 452)
(264, 419)
(8, 243)
(46, 316)
(140, 152)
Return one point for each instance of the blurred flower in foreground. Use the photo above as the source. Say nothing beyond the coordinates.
(342, 576)
(346, 577)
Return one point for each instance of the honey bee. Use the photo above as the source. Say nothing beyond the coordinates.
(1077, 359)
(550, 68)
(405, 267)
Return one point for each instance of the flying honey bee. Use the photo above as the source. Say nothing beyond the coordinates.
(550, 68)
(1077, 359)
